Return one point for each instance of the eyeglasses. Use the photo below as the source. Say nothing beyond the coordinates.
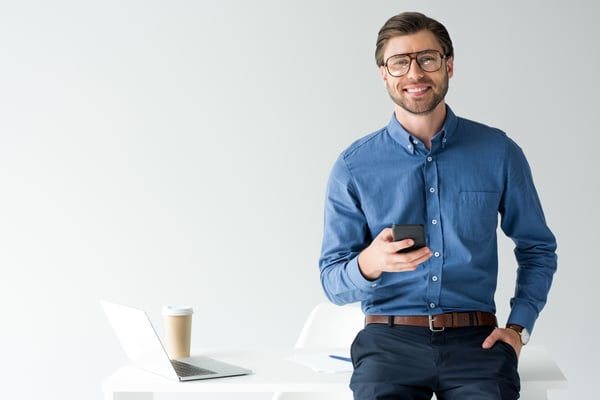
(428, 60)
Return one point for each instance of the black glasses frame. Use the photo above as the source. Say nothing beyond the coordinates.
(414, 56)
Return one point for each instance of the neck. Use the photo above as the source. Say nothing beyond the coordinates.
(422, 126)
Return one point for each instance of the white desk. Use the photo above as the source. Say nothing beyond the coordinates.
(273, 372)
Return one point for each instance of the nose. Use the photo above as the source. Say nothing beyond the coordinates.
(414, 69)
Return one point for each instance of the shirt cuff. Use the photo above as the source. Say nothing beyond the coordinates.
(357, 277)
(522, 316)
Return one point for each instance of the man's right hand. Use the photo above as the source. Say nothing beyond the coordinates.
(382, 256)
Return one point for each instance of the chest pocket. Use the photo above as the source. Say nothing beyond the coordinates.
(478, 214)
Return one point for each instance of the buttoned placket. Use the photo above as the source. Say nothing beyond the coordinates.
(433, 225)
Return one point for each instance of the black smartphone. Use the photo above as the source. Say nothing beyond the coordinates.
(415, 232)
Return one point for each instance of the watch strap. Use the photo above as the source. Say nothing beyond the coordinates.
(523, 333)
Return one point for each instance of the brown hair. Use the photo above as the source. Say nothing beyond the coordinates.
(408, 23)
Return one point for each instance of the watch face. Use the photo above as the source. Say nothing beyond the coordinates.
(524, 336)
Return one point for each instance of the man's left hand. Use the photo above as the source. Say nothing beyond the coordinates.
(504, 335)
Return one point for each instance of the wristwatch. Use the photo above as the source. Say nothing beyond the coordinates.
(523, 332)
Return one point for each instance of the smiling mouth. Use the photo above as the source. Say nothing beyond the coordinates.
(418, 90)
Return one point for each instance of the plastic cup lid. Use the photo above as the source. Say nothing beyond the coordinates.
(177, 310)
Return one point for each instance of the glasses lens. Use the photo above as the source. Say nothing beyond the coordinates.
(429, 61)
(398, 65)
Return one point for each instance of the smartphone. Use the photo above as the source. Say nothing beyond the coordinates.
(415, 232)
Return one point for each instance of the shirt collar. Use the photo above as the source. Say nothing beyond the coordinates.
(409, 142)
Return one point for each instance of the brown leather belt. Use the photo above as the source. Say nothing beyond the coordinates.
(437, 322)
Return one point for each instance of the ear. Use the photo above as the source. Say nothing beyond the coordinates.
(383, 73)
(450, 66)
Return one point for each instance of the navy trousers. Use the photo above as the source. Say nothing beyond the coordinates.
(411, 363)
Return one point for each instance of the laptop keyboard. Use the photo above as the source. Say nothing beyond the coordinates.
(184, 369)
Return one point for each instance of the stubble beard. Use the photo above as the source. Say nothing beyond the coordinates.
(419, 106)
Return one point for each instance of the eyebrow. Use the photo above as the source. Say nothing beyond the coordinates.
(416, 52)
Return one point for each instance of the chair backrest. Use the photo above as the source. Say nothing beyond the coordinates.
(331, 326)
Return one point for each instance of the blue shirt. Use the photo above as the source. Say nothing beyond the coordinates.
(472, 175)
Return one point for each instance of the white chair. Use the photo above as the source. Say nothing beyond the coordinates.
(327, 326)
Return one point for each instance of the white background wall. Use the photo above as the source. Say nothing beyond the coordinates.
(158, 152)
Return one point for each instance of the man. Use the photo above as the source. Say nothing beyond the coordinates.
(430, 325)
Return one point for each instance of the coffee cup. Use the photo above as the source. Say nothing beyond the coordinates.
(178, 330)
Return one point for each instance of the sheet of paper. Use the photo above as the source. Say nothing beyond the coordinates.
(323, 362)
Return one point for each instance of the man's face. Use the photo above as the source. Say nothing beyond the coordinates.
(417, 91)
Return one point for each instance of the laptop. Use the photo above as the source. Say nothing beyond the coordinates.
(145, 350)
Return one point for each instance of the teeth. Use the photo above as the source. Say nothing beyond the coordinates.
(416, 90)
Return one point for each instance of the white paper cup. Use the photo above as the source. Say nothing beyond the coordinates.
(178, 330)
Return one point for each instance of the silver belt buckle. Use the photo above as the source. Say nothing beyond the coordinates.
(431, 328)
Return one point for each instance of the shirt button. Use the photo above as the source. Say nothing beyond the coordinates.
(374, 285)
(409, 147)
(431, 305)
(434, 221)
(437, 254)
(431, 190)
(434, 278)
(430, 159)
